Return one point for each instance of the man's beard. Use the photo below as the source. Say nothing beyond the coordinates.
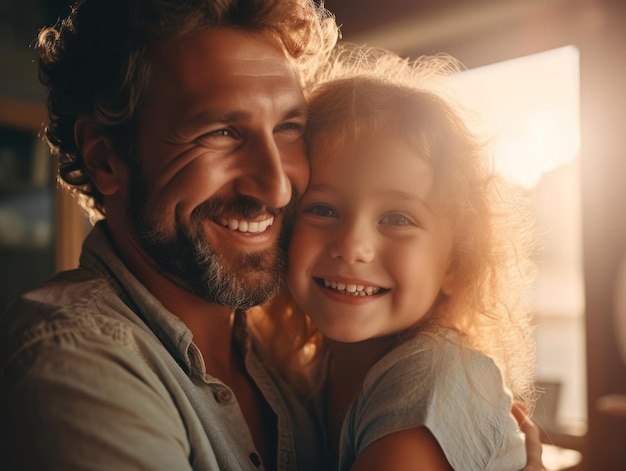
(187, 258)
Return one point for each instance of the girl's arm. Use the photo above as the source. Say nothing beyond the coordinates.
(409, 450)
(417, 450)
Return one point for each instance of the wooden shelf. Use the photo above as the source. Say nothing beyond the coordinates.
(612, 404)
(22, 115)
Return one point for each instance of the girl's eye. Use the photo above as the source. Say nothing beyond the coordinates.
(396, 220)
(322, 210)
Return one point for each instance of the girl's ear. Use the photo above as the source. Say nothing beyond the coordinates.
(101, 162)
(448, 284)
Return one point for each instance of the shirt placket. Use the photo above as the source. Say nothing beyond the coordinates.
(286, 450)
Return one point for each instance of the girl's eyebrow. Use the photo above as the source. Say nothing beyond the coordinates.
(397, 195)
(388, 193)
(401, 195)
(411, 197)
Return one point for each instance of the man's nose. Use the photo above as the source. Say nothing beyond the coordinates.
(265, 175)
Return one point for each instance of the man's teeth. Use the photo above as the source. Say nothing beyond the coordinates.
(249, 227)
(350, 289)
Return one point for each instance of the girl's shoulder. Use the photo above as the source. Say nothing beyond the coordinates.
(430, 373)
(431, 357)
(440, 383)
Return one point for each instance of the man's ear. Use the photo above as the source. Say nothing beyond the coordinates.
(101, 162)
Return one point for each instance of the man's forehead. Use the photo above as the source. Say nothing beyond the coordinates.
(202, 78)
(227, 50)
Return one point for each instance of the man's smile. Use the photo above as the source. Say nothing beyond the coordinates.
(245, 226)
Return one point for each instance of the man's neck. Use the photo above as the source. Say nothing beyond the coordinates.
(210, 324)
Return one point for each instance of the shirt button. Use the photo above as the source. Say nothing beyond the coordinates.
(255, 460)
(223, 395)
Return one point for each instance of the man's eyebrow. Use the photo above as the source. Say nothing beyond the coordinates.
(203, 118)
(199, 120)
(321, 187)
(299, 111)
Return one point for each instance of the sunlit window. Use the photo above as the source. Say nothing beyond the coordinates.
(529, 107)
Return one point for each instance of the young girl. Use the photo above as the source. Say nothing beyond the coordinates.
(412, 258)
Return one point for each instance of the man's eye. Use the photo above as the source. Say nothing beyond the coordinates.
(288, 133)
(396, 220)
(291, 126)
(222, 138)
(321, 210)
(221, 132)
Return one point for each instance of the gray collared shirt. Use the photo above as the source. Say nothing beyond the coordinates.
(96, 374)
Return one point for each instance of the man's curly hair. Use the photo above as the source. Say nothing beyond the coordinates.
(95, 63)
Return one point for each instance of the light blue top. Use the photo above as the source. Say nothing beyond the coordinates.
(457, 393)
(96, 374)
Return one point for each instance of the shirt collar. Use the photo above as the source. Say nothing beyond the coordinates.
(99, 256)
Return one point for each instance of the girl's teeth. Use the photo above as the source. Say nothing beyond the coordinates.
(351, 289)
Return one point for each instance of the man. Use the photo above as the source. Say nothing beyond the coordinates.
(181, 125)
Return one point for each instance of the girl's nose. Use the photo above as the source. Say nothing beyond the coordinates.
(353, 243)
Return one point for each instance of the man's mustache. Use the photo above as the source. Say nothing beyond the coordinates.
(245, 207)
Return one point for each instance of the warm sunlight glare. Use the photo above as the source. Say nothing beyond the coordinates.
(528, 108)
(546, 139)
